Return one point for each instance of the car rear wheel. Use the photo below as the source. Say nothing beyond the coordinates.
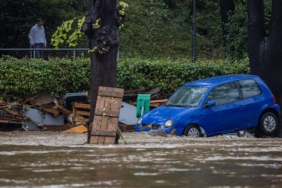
(268, 123)
(193, 131)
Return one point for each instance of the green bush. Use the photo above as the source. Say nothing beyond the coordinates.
(168, 75)
(31, 76)
(59, 76)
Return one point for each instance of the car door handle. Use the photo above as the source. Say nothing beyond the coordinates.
(241, 106)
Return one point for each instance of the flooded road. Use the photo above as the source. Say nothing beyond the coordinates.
(61, 160)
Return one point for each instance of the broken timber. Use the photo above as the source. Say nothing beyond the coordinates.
(105, 123)
(78, 110)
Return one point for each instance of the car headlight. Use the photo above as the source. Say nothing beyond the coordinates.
(139, 121)
(168, 123)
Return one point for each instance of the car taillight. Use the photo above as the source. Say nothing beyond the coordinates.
(274, 100)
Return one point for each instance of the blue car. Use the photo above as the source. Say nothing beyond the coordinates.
(214, 106)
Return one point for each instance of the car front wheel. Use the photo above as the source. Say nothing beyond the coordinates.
(193, 131)
(268, 123)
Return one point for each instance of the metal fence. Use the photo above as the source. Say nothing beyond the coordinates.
(32, 50)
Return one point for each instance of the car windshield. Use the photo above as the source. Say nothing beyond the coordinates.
(187, 96)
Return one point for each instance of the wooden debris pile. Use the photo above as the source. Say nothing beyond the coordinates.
(9, 113)
(46, 104)
(15, 113)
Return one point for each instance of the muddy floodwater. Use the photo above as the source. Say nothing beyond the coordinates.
(58, 159)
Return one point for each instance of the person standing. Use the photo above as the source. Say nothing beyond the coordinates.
(37, 38)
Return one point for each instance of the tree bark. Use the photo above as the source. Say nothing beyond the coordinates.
(265, 55)
(101, 28)
(256, 34)
(273, 57)
(226, 7)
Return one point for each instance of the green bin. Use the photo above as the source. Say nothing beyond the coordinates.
(143, 104)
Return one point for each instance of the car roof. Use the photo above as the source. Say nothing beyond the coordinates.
(218, 80)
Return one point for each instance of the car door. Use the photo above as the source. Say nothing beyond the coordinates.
(227, 115)
(253, 98)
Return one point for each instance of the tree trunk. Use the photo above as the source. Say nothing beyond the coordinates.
(226, 7)
(103, 73)
(256, 34)
(265, 55)
(273, 57)
(101, 28)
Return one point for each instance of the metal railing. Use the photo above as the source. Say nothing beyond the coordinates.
(32, 50)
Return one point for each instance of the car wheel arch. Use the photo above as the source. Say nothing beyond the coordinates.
(270, 110)
(260, 126)
(195, 124)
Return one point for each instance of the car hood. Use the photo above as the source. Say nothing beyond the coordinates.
(163, 113)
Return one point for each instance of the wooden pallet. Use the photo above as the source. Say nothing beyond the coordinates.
(105, 123)
(79, 110)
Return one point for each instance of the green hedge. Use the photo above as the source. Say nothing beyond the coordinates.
(168, 75)
(32, 76)
(59, 76)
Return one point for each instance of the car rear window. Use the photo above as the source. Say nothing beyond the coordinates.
(249, 88)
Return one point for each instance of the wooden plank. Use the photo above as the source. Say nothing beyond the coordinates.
(83, 113)
(80, 109)
(112, 126)
(112, 123)
(154, 103)
(78, 119)
(10, 121)
(74, 109)
(81, 105)
(50, 110)
(61, 109)
(13, 117)
(103, 105)
(11, 111)
(109, 93)
(157, 103)
(106, 115)
(103, 133)
(78, 129)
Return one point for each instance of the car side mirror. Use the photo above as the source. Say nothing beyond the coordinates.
(210, 104)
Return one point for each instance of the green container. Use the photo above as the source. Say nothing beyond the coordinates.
(143, 104)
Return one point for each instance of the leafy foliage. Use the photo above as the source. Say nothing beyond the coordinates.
(161, 29)
(18, 16)
(60, 76)
(32, 76)
(67, 33)
(153, 28)
(237, 27)
(168, 74)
